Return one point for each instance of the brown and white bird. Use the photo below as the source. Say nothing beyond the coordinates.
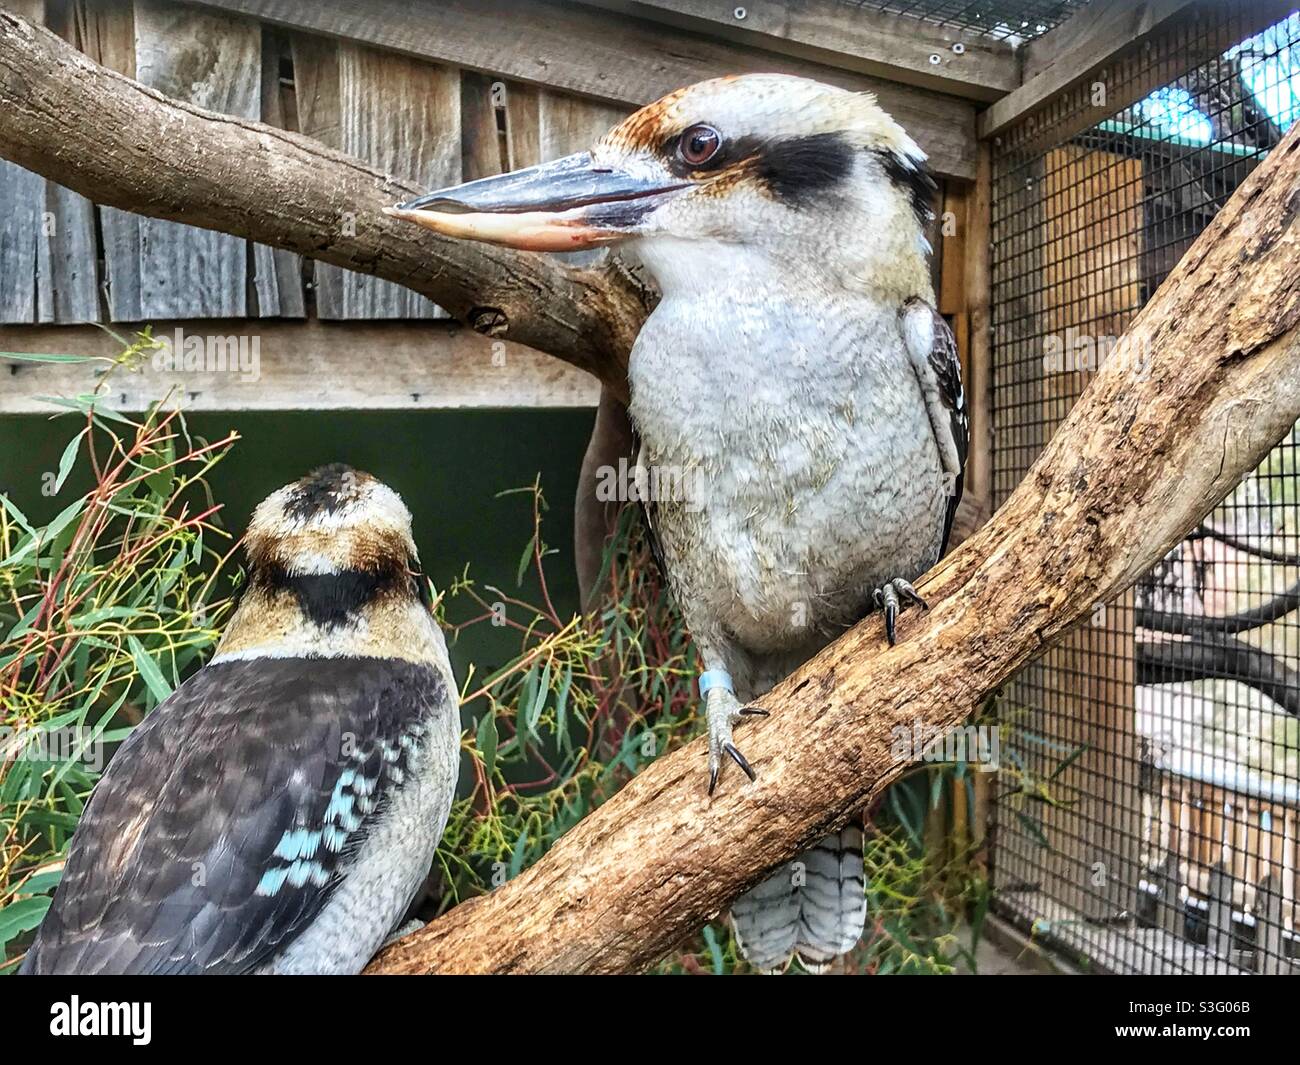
(280, 810)
(794, 373)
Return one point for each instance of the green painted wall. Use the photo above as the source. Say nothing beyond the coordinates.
(449, 466)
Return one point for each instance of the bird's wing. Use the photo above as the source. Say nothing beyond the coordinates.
(649, 509)
(225, 822)
(933, 354)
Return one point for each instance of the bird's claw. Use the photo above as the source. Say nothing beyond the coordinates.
(724, 711)
(893, 596)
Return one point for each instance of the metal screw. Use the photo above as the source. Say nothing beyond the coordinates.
(935, 59)
(740, 13)
(958, 48)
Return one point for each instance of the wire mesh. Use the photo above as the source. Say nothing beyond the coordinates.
(1147, 817)
(1016, 20)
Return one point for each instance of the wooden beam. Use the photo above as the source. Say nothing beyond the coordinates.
(972, 316)
(852, 36)
(1074, 50)
(601, 55)
(294, 366)
(1105, 32)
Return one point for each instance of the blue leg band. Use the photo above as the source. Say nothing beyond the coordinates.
(715, 678)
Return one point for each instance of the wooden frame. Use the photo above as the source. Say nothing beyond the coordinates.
(600, 55)
(308, 365)
(900, 48)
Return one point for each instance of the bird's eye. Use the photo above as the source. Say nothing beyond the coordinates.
(699, 144)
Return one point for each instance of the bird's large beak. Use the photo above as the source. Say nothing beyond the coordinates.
(564, 205)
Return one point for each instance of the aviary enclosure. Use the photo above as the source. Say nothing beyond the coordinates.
(1143, 815)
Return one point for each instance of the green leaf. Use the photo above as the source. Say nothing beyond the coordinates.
(534, 710)
(50, 532)
(22, 916)
(561, 709)
(525, 559)
(68, 460)
(518, 854)
(18, 515)
(1073, 757)
(148, 669)
(715, 950)
(87, 404)
(40, 356)
(485, 738)
(39, 883)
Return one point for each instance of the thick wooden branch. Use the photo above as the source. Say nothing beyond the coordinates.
(124, 145)
(1205, 382)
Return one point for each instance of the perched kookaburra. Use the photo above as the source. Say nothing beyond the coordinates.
(795, 367)
(280, 810)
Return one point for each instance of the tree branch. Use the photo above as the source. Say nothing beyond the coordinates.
(1214, 657)
(1205, 382)
(122, 144)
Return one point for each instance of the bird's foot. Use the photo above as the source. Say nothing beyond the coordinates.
(893, 596)
(723, 710)
(413, 925)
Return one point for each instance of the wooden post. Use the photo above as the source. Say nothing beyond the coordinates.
(1270, 959)
(1091, 226)
(1218, 921)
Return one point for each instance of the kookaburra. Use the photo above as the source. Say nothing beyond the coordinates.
(795, 368)
(280, 810)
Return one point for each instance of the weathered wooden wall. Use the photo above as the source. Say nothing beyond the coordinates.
(63, 260)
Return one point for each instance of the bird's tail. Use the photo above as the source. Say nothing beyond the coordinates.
(814, 906)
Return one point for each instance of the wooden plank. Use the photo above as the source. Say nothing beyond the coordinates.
(316, 92)
(853, 36)
(1077, 48)
(214, 61)
(1270, 950)
(277, 274)
(23, 194)
(1218, 937)
(1094, 32)
(397, 113)
(602, 55)
(523, 125)
(571, 124)
(48, 254)
(298, 366)
(67, 250)
(105, 31)
(1104, 33)
(67, 259)
(482, 143)
(968, 260)
(403, 116)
